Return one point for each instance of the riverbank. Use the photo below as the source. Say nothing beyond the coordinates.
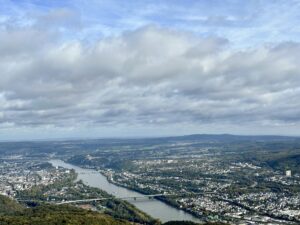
(159, 198)
(153, 207)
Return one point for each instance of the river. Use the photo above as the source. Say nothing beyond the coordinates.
(153, 207)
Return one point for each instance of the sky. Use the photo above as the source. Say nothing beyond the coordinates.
(108, 68)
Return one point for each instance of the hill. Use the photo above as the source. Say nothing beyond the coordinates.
(9, 206)
(12, 212)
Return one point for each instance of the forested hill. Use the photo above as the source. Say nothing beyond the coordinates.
(13, 213)
(9, 206)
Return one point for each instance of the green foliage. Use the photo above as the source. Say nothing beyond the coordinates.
(286, 162)
(9, 206)
(14, 213)
(124, 210)
(116, 208)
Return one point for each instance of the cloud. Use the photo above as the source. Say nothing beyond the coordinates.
(148, 76)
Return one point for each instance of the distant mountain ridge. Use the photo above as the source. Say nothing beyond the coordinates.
(231, 137)
(204, 137)
(76, 146)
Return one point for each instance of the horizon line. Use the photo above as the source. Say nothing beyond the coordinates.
(141, 137)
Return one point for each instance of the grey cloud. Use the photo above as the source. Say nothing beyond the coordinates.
(18, 43)
(148, 76)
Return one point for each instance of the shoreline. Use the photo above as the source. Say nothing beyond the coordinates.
(197, 217)
(144, 193)
(176, 213)
(173, 205)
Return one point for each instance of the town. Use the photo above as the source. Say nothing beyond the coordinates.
(235, 182)
(17, 174)
(226, 182)
(208, 188)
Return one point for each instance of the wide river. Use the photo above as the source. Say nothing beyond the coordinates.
(155, 208)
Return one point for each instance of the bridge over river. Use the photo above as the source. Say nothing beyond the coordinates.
(96, 199)
(121, 198)
(106, 198)
(151, 205)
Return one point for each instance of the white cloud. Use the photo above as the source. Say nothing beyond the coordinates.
(170, 67)
(145, 77)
